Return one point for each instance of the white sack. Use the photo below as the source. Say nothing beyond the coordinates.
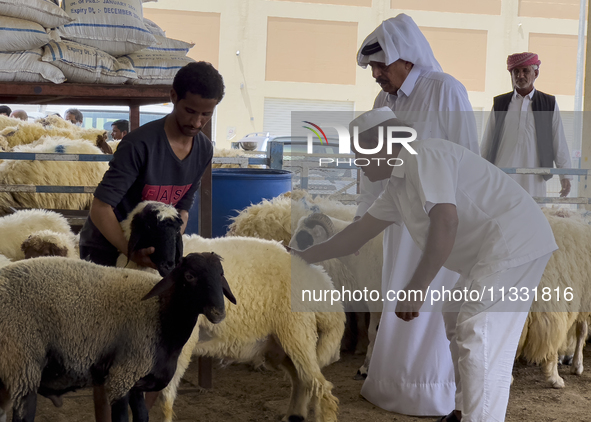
(19, 34)
(84, 64)
(169, 45)
(44, 12)
(154, 68)
(114, 26)
(26, 66)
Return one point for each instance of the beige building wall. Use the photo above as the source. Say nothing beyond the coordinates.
(307, 49)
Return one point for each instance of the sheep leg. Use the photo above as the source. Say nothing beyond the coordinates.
(24, 408)
(300, 395)
(362, 334)
(139, 411)
(577, 366)
(119, 409)
(170, 392)
(372, 332)
(550, 370)
(301, 350)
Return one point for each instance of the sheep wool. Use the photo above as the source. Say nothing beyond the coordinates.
(23, 133)
(49, 242)
(15, 228)
(42, 315)
(59, 173)
(277, 218)
(270, 319)
(546, 329)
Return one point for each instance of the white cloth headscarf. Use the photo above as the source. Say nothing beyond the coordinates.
(400, 38)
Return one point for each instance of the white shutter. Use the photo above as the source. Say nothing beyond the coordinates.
(277, 119)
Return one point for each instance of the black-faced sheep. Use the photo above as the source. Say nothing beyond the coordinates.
(270, 323)
(153, 224)
(70, 324)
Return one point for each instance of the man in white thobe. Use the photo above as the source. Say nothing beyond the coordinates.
(411, 370)
(525, 129)
(467, 215)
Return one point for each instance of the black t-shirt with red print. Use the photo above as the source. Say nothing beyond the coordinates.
(144, 167)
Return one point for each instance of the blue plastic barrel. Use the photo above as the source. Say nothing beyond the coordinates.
(235, 189)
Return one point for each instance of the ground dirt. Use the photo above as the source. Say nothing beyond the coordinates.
(242, 394)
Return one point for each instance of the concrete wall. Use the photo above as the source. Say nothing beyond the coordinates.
(306, 49)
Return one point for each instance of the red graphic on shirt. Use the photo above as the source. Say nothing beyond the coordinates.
(165, 194)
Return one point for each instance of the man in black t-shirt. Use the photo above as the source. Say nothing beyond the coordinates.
(160, 161)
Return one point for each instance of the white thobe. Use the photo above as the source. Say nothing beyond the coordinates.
(503, 240)
(518, 146)
(411, 371)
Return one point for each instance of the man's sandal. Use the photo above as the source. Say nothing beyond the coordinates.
(449, 418)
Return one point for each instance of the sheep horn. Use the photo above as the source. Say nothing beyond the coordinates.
(319, 219)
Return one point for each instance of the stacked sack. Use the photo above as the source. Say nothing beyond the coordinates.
(23, 33)
(104, 41)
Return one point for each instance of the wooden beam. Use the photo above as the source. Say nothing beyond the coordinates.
(134, 116)
(83, 94)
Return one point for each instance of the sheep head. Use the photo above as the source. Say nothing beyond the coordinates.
(158, 225)
(43, 244)
(198, 278)
(314, 229)
(101, 143)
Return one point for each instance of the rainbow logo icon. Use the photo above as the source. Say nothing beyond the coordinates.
(316, 133)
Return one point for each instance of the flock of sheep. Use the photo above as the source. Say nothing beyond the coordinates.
(69, 324)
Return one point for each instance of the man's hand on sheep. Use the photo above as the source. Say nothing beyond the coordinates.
(565, 184)
(142, 257)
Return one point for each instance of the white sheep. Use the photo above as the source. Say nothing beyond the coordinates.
(362, 269)
(546, 329)
(276, 219)
(50, 243)
(270, 323)
(58, 173)
(230, 153)
(69, 324)
(23, 133)
(16, 228)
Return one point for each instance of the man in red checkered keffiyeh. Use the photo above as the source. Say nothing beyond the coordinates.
(525, 128)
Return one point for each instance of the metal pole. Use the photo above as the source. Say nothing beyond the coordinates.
(578, 120)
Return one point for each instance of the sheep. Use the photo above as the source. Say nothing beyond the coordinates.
(153, 224)
(23, 133)
(230, 153)
(15, 228)
(60, 173)
(546, 329)
(262, 327)
(363, 269)
(69, 324)
(50, 243)
(270, 324)
(274, 220)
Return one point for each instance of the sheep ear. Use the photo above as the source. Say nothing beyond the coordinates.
(227, 292)
(162, 286)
